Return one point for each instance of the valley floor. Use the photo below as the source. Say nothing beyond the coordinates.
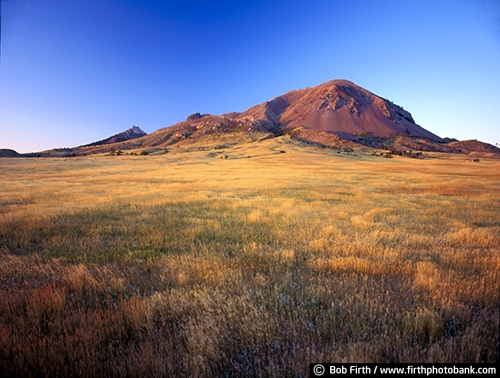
(251, 260)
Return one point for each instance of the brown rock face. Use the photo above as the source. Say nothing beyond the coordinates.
(339, 107)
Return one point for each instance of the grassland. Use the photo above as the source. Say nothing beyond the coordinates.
(256, 264)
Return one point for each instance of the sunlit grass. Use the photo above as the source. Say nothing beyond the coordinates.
(191, 265)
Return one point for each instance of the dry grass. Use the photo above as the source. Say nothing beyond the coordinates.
(190, 265)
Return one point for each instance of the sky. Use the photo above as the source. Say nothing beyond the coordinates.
(74, 72)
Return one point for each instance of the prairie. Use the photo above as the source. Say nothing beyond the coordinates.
(277, 255)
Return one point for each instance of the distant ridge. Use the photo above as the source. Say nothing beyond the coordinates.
(132, 133)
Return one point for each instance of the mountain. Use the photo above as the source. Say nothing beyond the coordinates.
(332, 114)
(338, 107)
(132, 133)
(336, 114)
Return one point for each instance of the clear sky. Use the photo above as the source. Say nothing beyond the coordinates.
(73, 72)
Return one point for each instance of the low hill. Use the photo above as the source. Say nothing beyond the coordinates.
(467, 146)
(8, 153)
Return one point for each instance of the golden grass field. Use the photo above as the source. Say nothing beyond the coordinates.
(186, 264)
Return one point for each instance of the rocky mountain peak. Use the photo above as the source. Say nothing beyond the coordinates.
(136, 130)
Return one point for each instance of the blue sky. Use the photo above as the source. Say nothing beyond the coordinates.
(73, 72)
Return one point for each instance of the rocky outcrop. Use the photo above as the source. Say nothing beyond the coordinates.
(195, 116)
